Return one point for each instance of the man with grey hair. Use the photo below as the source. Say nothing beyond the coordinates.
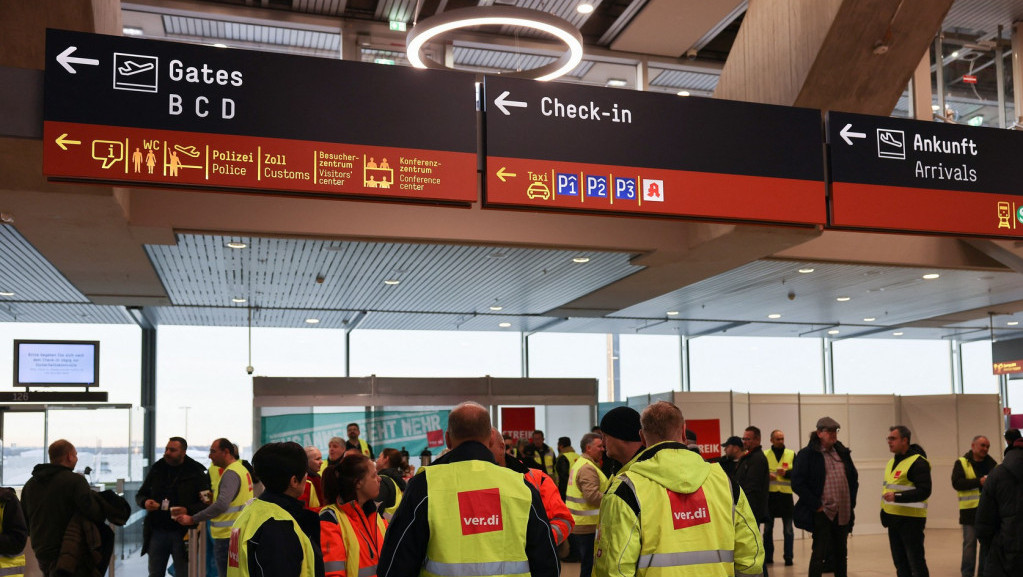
(586, 486)
(465, 512)
(969, 473)
(907, 485)
(672, 510)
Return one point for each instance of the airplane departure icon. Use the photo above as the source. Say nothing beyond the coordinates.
(130, 68)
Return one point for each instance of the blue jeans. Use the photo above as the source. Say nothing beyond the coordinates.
(586, 542)
(163, 545)
(970, 553)
(787, 533)
(220, 547)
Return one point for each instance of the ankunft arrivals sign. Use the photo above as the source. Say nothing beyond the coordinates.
(409, 430)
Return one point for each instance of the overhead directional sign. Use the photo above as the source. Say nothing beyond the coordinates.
(124, 110)
(571, 147)
(908, 175)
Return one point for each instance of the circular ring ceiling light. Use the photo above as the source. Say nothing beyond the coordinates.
(434, 26)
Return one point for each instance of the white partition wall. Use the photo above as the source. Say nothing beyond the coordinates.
(944, 425)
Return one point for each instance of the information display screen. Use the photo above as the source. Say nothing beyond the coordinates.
(126, 110)
(56, 363)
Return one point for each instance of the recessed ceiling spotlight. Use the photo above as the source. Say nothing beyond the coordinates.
(236, 244)
(504, 325)
(496, 308)
(843, 299)
(584, 8)
(392, 282)
(6, 294)
(616, 83)
(682, 93)
(774, 316)
(219, 45)
(238, 300)
(869, 319)
(806, 270)
(955, 54)
(581, 259)
(931, 276)
(132, 31)
(897, 333)
(672, 313)
(1012, 323)
(312, 321)
(833, 332)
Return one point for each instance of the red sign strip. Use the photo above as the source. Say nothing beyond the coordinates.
(169, 158)
(925, 210)
(546, 184)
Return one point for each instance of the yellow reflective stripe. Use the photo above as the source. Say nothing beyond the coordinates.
(575, 500)
(235, 509)
(970, 498)
(368, 571)
(11, 571)
(476, 569)
(557, 531)
(227, 523)
(899, 488)
(329, 566)
(917, 505)
(685, 558)
(780, 483)
(586, 512)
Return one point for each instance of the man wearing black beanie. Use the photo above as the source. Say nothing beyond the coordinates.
(620, 427)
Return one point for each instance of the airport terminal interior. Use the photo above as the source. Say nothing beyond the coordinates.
(274, 221)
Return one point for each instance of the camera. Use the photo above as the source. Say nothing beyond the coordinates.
(691, 54)
(249, 369)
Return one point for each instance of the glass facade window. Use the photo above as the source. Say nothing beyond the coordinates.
(756, 365)
(649, 364)
(977, 375)
(570, 355)
(887, 366)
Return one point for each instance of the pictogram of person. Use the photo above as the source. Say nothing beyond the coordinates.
(175, 163)
(136, 159)
(383, 164)
(371, 163)
(150, 160)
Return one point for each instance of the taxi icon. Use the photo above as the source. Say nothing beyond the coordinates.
(538, 190)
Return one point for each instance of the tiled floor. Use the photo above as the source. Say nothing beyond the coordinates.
(869, 556)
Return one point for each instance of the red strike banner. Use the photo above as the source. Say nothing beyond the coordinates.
(519, 422)
(708, 436)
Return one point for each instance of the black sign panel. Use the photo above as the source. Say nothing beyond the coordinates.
(564, 146)
(121, 81)
(910, 175)
(125, 110)
(52, 397)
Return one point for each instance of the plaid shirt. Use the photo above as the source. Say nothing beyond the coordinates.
(836, 499)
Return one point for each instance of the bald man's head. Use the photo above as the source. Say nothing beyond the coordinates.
(468, 421)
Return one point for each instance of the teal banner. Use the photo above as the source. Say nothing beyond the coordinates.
(411, 430)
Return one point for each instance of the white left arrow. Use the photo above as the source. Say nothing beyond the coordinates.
(66, 60)
(503, 103)
(848, 134)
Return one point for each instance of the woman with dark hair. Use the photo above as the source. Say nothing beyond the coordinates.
(351, 529)
(392, 483)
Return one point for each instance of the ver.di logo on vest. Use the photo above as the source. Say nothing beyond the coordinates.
(688, 509)
(480, 511)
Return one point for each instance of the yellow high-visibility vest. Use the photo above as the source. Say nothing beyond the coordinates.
(11, 565)
(780, 485)
(583, 512)
(220, 526)
(968, 499)
(249, 521)
(478, 514)
(896, 479)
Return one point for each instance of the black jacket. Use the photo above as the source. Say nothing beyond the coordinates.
(50, 498)
(274, 549)
(919, 474)
(999, 522)
(752, 475)
(180, 485)
(405, 542)
(961, 483)
(14, 532)
(808, 475)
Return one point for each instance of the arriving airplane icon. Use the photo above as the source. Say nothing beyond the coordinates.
(187, 150)
(130, 67)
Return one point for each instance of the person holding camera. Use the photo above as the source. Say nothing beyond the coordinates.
(175, 481)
